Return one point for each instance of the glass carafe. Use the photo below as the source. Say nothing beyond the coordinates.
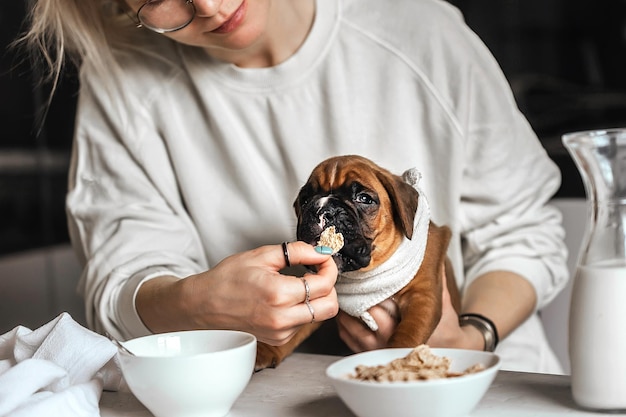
(597, 322)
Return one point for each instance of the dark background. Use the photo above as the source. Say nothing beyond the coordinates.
(565, 60)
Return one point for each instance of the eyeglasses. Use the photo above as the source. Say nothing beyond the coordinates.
(163, 16)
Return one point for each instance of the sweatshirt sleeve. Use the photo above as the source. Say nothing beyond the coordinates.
(507, 182)
(126, 219)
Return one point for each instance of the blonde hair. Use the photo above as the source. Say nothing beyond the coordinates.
(84, 31)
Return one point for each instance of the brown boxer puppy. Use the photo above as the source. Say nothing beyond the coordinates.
(387, 232)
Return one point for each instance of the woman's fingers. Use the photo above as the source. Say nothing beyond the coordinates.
(294, 253)
(288, 302)
(353, 333)
(320, 284)
(322, 308)
(279, 324)
(359, 338)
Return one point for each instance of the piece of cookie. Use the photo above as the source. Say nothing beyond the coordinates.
(331, 239)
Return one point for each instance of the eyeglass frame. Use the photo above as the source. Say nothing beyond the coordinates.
(140, 23)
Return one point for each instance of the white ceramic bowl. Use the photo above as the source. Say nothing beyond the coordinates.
(449, 397)
(190, 373)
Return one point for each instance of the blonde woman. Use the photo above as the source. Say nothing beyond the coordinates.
(199, 120)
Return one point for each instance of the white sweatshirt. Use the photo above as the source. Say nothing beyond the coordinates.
(183, 160)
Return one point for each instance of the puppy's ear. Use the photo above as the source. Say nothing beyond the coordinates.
(404, 201)
(302, 198)
(297, 204)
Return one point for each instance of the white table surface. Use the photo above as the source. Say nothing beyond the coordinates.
(299, 388)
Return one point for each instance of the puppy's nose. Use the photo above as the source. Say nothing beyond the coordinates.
(329, 215)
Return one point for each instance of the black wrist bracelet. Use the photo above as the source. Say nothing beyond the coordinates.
(485, 326)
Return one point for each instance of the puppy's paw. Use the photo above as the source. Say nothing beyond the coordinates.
(266, 357)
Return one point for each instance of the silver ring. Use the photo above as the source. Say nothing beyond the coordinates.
(308, 304)
(307, 299)
(307, 291)
(286, 254)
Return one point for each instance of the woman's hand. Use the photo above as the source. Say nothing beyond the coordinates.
(448, 333)
(244, 292)
(359, 338)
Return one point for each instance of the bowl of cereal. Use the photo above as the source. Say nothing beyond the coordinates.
(189, 373)
(419, 382)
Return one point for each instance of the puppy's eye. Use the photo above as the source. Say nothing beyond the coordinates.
(364, 198)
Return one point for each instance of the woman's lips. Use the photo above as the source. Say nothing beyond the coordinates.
(234, 21)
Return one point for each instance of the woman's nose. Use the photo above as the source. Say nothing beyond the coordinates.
(207, 8)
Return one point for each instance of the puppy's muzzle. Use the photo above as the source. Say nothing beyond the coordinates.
(324, 212)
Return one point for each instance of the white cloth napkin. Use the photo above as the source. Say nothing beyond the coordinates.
(59, 369)
(358, 291)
